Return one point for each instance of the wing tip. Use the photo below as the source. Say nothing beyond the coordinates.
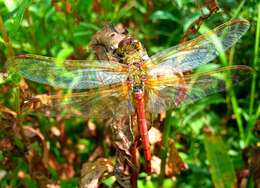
(240, 21)
(246, 68)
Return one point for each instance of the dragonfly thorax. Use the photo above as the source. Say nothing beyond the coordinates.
(136, 76)
(132, 53)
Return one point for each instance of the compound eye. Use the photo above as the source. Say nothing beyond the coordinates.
(125, 42)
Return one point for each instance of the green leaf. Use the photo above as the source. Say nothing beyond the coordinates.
(37, 148)
(221, 167)
(70, 183)
(1, 155)
(163, 15)
(168, 183)
(20, 12)
(109, 181)
(30, 183)
(18, 142)
(54, 174)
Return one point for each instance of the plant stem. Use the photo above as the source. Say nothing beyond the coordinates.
(233, 99)
(164, 148)
(241, 5)
(256, 54)
(252, 118)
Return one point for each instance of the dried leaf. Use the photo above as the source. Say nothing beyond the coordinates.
(174, 164)
(105, 41)
(23, 85)
(122, 171)
(254, 165)
(31, 132)
(97, 153)
(155, 135)
(122, 134)
(67, 171)
(156, 164)
(92, 173)
(52, 186)
(55, 131)
(6, 144)
(126, 154)
(4, 109)
(3, 77)
(2, 174)
(212, 6)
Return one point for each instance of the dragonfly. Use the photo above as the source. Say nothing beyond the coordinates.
(137, 84)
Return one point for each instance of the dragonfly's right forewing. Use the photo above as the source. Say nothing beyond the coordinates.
(70, 74)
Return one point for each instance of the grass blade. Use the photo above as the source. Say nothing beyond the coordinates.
(253, 85)
(221, 167)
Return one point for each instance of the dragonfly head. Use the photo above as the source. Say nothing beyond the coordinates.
(130, 48)
(129, 43)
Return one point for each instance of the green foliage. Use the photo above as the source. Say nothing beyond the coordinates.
(40, 27)
(222, 170)
(71, 183)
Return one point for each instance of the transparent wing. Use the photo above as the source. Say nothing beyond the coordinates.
(165, 92)
(203, 49)
(71, 74)
(102, 103)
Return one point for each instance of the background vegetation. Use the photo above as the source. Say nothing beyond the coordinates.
(64, 28)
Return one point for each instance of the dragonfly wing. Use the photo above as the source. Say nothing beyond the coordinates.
(70, 74)
(166, 93)
(201, 50)
(98, 103)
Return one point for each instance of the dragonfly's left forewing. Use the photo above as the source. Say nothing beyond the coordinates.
(201, 50)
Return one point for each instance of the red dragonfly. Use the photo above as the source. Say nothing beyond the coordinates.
(137, 84)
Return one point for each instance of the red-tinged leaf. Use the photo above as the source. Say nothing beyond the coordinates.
(221, 167)
(6, 144)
